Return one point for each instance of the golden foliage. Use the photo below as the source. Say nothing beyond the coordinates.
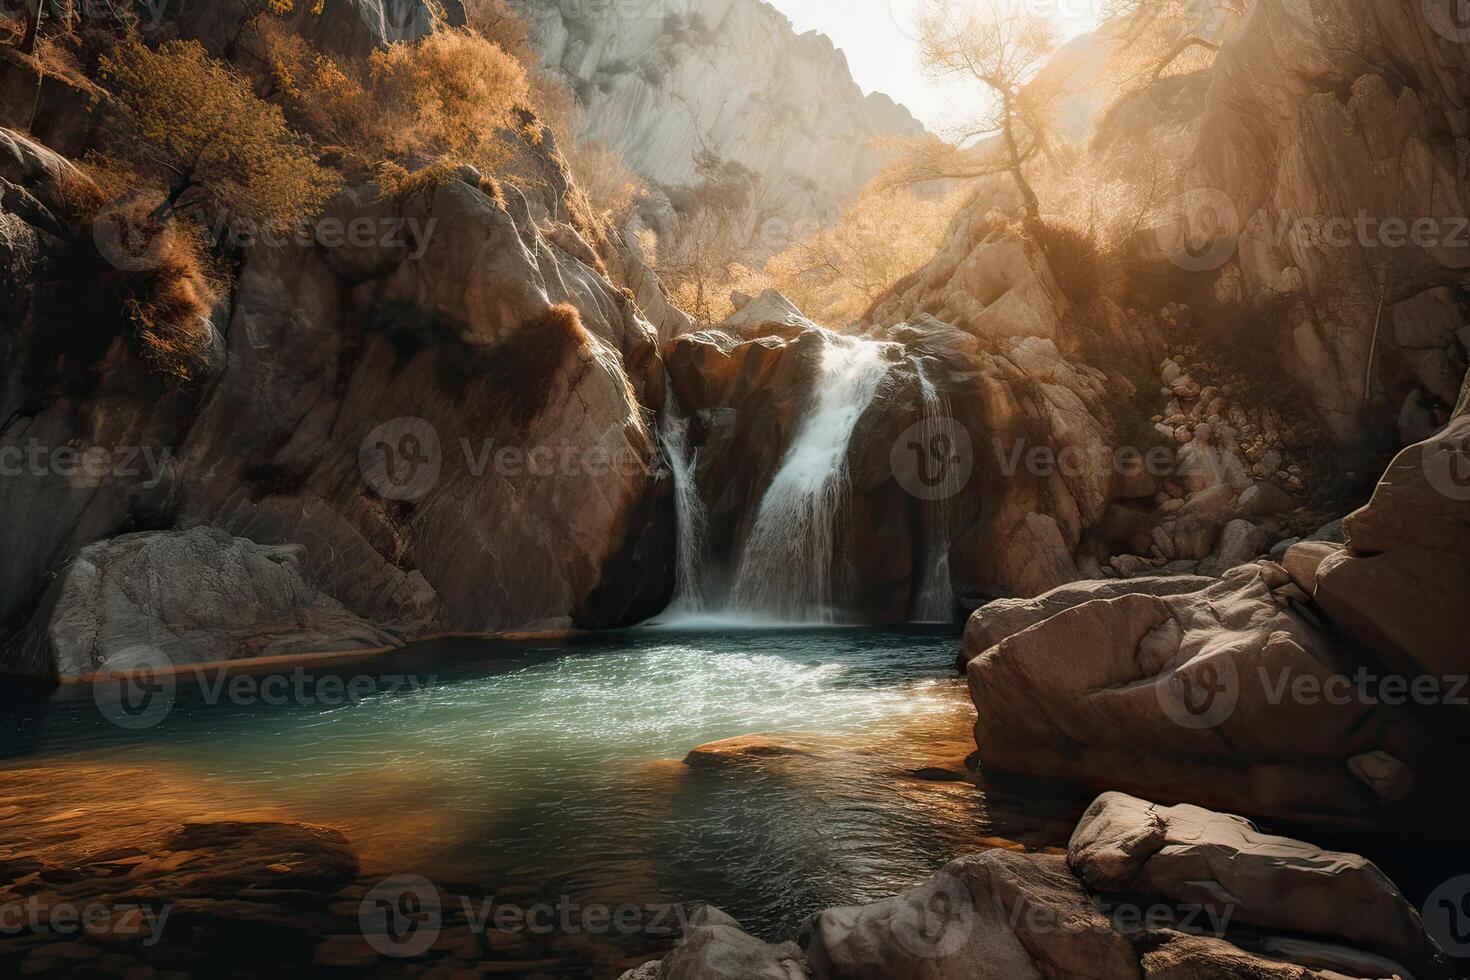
(450, 95)
(194, 123)
(838, 273)
(495, 21)
(166, 304)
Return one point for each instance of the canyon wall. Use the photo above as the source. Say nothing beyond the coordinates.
(663, 80)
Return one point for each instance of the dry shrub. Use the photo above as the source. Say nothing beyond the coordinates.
(1080, 264)
(609, 186)
(451, 95)
(495, 21)
(521, 370)
(836, 274)
(165, 305)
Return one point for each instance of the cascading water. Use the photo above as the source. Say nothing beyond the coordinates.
(693, 521)
(786, 566)
(935, 601)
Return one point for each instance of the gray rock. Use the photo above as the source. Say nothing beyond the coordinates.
(1240, 542)
(193, 596)
(716, 947)
(992, 916)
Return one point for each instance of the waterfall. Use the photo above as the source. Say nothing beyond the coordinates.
(935, 592)
(689, 512)
(786, 566)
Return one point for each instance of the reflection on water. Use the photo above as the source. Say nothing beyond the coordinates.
(554, 769)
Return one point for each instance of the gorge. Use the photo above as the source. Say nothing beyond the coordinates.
(450, 532)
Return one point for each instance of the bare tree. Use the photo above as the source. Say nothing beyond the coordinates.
(1001, 44)
(33, 26)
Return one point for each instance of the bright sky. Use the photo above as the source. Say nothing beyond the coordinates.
(878, 38)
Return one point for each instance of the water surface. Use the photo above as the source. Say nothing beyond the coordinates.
(556, 769)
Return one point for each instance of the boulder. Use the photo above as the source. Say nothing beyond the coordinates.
(1226, 696)
(1240, 542)
(992, 916)
(1400, 584)
(1124, 845)
(997, 620)
(715, 947)
(190, 597)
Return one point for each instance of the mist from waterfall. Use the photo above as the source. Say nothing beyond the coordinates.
(692, 519)
(786, 565)
(935, 591)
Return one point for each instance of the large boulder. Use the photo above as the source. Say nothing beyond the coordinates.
(1398, 588)
(189, 597)
(1227, 696)
(1127, 846)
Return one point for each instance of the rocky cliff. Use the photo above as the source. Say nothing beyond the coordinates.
(663, 80)
(438, 422)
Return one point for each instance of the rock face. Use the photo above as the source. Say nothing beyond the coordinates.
(1324, 690)
(728, 76)
(1143, 891)
(1346, 139)
(1398, 586)
(444, 424)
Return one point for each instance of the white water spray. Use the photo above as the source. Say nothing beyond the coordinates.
(693, 521)
(786, 565)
